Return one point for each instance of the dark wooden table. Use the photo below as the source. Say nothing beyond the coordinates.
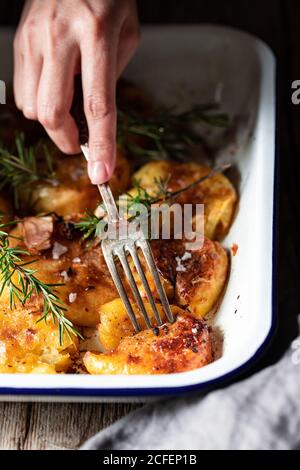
(66, 426)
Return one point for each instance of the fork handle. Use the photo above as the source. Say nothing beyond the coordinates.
(105, 192)
(109, 202)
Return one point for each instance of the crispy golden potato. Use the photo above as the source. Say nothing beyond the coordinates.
(217, 193)
(115, 323)
(199, 276)
(200, 286)
(73, 193)
(87, 283)
(178, 347)
(82, 270)
(30, 347)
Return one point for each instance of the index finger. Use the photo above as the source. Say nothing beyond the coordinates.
(98, 59)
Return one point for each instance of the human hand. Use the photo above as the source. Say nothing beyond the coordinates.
(55, 41)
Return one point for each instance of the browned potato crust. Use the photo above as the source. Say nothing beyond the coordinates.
(182, 346)
(201, 281)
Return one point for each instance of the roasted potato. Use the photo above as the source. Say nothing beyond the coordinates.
(198, 276)
(192, 279)
(115, 323)
(72, 192)
(200, 285)
(217, 193)
(30, 347)
(67, 260)
(178, 347)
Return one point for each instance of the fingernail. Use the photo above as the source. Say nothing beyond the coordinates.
(97, 172)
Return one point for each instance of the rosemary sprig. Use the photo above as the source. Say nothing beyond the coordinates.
(19, 169)
(21, 281)
(165, 132)
(91, 225)
(140, 197)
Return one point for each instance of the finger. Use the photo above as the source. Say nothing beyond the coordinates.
(19, 41)
(31, 72)
(98, 59)
(55, 94)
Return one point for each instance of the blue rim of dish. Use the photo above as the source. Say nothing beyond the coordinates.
(175, 391)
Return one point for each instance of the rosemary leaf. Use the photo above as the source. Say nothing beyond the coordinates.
(165, 132)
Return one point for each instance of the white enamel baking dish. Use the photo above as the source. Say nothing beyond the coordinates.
(180, 65)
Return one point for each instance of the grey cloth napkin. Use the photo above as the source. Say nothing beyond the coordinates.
(262, 412)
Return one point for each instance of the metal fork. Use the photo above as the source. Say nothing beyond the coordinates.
(121, 249)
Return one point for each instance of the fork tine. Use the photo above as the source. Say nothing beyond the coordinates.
(145, 247)
(119, 285)
(146, 286)
(123, 259)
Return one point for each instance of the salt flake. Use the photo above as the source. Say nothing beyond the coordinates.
(58, 250)
(65, 276)
(72, 297)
